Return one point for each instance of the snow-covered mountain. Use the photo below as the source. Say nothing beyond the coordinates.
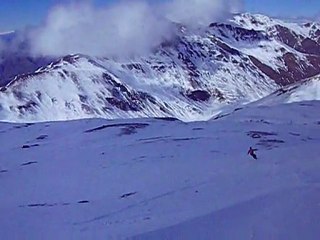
(158, 179)
(306, 90)
(192, 77)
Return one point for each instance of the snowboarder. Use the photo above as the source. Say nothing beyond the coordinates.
(252, 153)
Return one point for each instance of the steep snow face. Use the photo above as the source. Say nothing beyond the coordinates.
(99, 179)
(306, 90)
(193, 77)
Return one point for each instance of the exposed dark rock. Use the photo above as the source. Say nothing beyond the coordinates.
(126, 195)
(28, 107)
(169, 119)
(199, 95)
(42, 137)
(123, 105)
(238, 33)
(135, 125)
(259, 134)
(29, 163)
(30, 146)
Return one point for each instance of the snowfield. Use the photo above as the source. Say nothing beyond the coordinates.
(163, 178)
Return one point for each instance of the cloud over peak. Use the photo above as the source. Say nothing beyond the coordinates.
(126, 28)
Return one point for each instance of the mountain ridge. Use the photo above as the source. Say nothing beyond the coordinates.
(193, 77)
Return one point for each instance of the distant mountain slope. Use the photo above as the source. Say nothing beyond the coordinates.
(191, 77)
(306, 90)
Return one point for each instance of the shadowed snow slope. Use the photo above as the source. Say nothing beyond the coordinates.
(162, 178)
(273, 216)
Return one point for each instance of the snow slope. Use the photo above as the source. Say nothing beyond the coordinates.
(306, 90)
(162, 178)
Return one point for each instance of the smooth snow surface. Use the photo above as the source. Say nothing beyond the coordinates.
(164, 179)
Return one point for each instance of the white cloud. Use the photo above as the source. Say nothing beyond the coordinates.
(130, 27)
(124, 29)
(201, 12)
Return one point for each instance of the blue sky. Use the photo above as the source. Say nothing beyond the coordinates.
(15, 14)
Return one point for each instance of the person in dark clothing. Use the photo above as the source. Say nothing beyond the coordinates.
(252, 153)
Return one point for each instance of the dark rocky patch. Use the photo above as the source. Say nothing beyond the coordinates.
(24, 125)
(34, 205)
(306, 104)
(153, 138)
(134, 125)
(221, 116)
(37, 205)
(123, 105)
(126, 195)
(199, 95)
(134, 66)
(42, 137)
(168, 119)
(28, 163)
(272, 141)
(286, 36)
(27, 107)
(297, 42)
(184, 139)
(41, 205)
(227, 48)
(30, 146)
(83, 99)
(259, 134)
(238, 33)
(128, 131)
(295, 134)
(296, 70)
